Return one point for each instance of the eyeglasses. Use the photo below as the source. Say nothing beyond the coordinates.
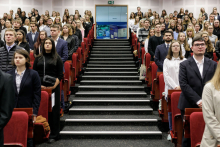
(205, 37)
(197, 45)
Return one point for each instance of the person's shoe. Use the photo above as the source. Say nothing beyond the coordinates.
(169, 137)
(51, 141)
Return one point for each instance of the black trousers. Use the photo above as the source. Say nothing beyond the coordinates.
(1, 138)
(186, 142)
(54, 116)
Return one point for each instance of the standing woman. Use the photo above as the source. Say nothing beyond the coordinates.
(139, 14)
(47, 13)
(162, 20)
(184, 45)
(80, 27)
(194, 22)
(57, 21)
(164, 13)
(54, 15)
(41, 24)
(27, 84)
(10, 18)
(2, 25)
(27, 25)
(77, 32)
(135, 26)
(64, 20)
(179, 28)
(186, 21)
(77, 12)
(146, 15)
(151, 33)
(89, 13)
(191, 16)
(213, 38)
(205, 26)
(33, 19)
(38, 45)
(131, 20)
(181, 13)
(21, 40)
(200, 22)
(171, 73)
(216, 30)
(209, 48)
(23, 16)
(190, 35)
(19, 12)
(157, 16)
(76, 17)
(66, 35)
(171, 16)
(141, 25)
(203, 13)
(172, 25)
(87, 25)
(49, 63)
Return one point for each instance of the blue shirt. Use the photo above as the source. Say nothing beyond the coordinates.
(9, 47)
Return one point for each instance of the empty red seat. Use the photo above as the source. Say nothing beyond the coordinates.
(215, 58)
(79, 59)
(177, 124)
(67, 81)
(153, 75)
(197, 126)
(39, 133)
(142, 54)
(32, 58)
(74, 69)
(15, 132)
(83, 52)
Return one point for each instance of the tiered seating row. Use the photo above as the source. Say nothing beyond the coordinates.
(193, 119)
(27, 128)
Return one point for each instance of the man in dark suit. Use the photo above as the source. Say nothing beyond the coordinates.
(7, 97)
(139, 9)
(162, 50)
(61, 45)
(32, 36)
(193, 74)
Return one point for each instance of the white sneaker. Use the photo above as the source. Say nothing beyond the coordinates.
(169, 137)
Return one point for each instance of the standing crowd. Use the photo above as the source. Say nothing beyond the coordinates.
(183, 47)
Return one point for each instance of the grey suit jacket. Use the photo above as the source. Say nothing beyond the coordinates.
(211, 114)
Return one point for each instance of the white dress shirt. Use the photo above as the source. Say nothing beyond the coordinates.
(183, 50)
(146, 45)
(18, 79)
(55, 41)
(200, 67)
(171, 73)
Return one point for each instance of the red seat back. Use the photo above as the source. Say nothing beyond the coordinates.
(43, 109)
(161, 85)
(197, 126)
(17, 128)
(215, 58)
(174, 109)
(147, 60)
(142, 54)
(133, 39)
(153, 72)
(32, 58)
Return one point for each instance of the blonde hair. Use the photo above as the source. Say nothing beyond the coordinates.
(54, 22)
(11, 30)
(205, 29)
(135, 20)
(87, 16)
(216, 78)
(141, 26)
(69, 30)
(29, 28)
(171, 21)
(81, 26)
(190, 29)
(186, 45)
(90, 13)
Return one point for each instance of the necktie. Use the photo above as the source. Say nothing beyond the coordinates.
(168, 46)
(9, 48)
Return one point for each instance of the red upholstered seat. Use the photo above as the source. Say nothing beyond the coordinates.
(153, 74)
(215, 58)
(79, 59)
(138, 48)
(74, 69)
(142, 54)
(32, 58)
(177, 125)
(39, 133)
(197, 126)
(83, 52)
(161, 85)
(67, 81)
(15, 132)
(147, 60)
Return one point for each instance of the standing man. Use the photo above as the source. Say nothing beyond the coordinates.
(154, 41)
(7, 98)
(162, 50)
(47, 27)
(18, 26)
(193, 75)
(32, 36)
(7, 51)
(139, 9)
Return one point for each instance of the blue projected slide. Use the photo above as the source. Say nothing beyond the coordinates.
(111, 22)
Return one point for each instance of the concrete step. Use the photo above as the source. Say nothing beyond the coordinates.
(111, 73)
(111, 94)
(111, 55)
(110, 49)
(112, 59)
(111, 43)
(111, 62)
(109, 88)
(111, 69)
(112, 65)
(99, 77)
(110, 82)
(111, 52)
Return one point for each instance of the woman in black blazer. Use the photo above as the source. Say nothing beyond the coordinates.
(49, 63)
(21, 40)
(66, 35)
(27, 84)
(77, 32)
(88, 25)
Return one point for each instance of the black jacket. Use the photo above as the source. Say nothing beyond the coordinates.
(71, 45)
(88, 27)
(23, 29)
(217, 49)
(23, 19)
(30, 90)
(7, 97)
(216, 32)
(79, 35)
(76, 42)
(24, 45)
(1, 43)
(6, 57)
(92, 20)
(192, 83)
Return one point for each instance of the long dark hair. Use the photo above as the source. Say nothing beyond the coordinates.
(24, 36)
(38, 43)
(53, 51)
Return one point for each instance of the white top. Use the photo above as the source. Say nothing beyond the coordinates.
(131, 22)
(134, 27)
(190, 42)
(53, 18)
(212, 39)
(28, 31)
(171, 73)
(183, 50)
(41, 27)
(146, 45)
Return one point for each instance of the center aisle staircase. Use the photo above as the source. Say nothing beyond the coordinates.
(111, 107)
